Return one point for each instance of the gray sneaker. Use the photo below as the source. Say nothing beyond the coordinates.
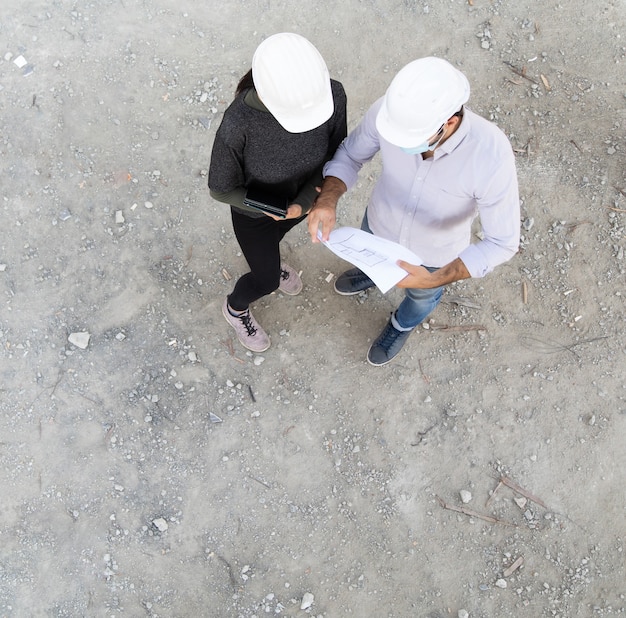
(352, 282)
(290, 282)
(387, 346)
(249, 332)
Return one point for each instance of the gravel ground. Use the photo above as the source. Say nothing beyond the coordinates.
(150, 466)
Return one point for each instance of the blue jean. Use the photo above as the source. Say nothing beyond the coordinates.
(418, 303)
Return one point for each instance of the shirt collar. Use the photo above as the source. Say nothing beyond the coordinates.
(251, 98)
(457, 137)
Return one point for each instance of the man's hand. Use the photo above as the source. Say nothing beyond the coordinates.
(324, 210)
(421, 278)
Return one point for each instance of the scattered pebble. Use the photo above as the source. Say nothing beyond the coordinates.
(466, 496)
(160, 524)
(307, 600)
(80, 340)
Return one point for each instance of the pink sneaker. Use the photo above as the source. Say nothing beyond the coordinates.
(249, 332)
(290, 282)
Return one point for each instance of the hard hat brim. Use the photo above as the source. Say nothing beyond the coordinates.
(305, 120)
(400, 136)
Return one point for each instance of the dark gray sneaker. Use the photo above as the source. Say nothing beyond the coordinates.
(352, 282)
(387, 346)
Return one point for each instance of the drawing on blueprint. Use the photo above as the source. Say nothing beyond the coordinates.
(351, 250)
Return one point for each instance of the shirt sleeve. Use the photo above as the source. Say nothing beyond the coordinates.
(499, 211)
(226, 170)
(356, 150)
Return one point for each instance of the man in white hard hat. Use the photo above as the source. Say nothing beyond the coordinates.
(442, 166)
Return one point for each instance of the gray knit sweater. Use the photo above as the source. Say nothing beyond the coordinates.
(251, 147)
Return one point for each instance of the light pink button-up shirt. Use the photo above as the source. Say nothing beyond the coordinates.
(428, 205)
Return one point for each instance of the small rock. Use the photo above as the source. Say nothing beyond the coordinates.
(501, 583)
(160, 524)
(463, 613)
(521, 502)
(149, 205)
(119, 216)
(80, 340)
(466, 496)
(307, 600)
(258, 360)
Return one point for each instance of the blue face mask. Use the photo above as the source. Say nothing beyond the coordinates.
(422, 148)
(425, 147)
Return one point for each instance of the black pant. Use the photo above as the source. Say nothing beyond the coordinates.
(259, 240)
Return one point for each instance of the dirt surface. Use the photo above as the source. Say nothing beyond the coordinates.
(158, 469)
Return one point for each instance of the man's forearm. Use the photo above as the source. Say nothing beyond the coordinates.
(421, 278)
(332, 189)
(454, 271)
(323, 211)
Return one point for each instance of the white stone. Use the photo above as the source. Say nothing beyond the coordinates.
(160, 524)
(307, 600)
(463, 613)
(501, 583)
(119, 216)
(466, 496)
(80, 340)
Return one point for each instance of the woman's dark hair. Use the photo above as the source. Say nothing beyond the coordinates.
(245, 83)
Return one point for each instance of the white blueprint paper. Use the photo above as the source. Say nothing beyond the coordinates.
(375, 256)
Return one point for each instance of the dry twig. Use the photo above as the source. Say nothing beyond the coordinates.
(516, 565)
(521, 72)
(471, 513)
(424, 376)
(229, 346)
(458, 329)
(520, 490)
(493, 494)
(548, 346)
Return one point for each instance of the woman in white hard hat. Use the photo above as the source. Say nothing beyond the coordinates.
(286, 121)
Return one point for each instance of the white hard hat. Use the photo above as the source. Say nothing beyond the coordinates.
(420, 98)
(292, 81)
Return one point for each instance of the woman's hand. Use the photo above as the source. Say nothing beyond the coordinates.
(294, 211)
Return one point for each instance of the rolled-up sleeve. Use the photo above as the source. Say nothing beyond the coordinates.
(499, 210)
